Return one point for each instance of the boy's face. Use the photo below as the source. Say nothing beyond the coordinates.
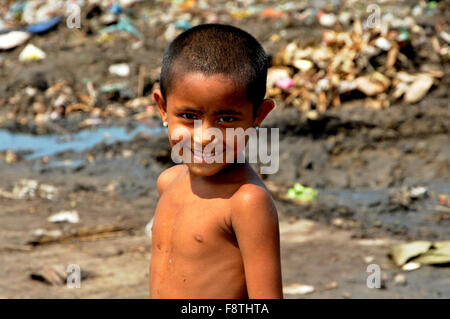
(219, 104)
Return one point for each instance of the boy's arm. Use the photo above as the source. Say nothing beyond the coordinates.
(255, 222)
(167, 177)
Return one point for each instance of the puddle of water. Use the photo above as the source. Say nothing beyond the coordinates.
(361, 197)
(47, 145)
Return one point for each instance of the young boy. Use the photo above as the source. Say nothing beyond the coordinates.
(215, 230)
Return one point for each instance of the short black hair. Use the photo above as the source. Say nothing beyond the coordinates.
(217, 49)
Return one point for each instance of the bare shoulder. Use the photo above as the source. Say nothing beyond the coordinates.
(253, 201)
(168, 176)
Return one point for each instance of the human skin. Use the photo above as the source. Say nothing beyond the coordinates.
(215, 229)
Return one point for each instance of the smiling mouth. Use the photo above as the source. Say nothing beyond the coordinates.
(203, 158)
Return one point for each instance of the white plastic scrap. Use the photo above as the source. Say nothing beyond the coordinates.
(121, 69)
(65, 216)
(298, 289)
(148, 228)
(31, 52)
(13, 39)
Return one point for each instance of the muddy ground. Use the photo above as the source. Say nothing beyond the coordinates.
(358, 164)
(359, 159)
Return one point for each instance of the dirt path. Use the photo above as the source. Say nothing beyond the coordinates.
(311, 254)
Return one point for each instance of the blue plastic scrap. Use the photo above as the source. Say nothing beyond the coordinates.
(116, 9)
(123, 24)
(18, 6)
(183, 25)
(43, 26)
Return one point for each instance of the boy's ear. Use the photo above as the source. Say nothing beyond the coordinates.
(264, 108)
(157, 95)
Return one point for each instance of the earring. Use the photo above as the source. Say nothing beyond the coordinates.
(257, 128)
(165, 124)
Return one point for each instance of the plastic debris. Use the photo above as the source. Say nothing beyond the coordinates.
(439, 254)
(326, 19)
(411, 266)
(116, 9)
(13, 39)
(418, 89)
(30, 53)
(55, 275)
(29, 189)
(383, 44)
(421, 253)
(43, 27)
(271, 13)
(148, 228)
(65, 216)
(121, 69)
(10, 157)
(285, 83)
(331, 285)
(183, 25)
(302, 193)
(114, 87)
(298, 289)
(303, 64)
(124, 24)
(400, 279)
(402, 253)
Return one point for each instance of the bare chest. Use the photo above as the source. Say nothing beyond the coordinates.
(189, 226)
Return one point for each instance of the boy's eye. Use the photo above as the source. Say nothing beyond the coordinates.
(227, 119)
(189, 116)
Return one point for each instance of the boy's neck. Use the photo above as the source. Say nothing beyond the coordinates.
(232, 173)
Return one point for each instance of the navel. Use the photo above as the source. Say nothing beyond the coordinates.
(198, 238)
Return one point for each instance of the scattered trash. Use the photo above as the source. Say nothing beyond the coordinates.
(55, 275)
(331, 285)
(302, 193)
(411, 266)
(343, 223)
(444, 199)
(65, 216)
(148, 228)
(42, 236)
(418, 88)
(326, 19)
(183, 25)
(362, 59)
(30, 53)
(439, 254)
(421, 253)
(10, 157)
(114, 87)
(407, 195)
(124, 24)
(29, 189)
(43, 27)
(417, 192)
(116, 9)
(404, 252)
(298, 289)
(13, 39)
(285, 83)
(271, 13)
(369, 259)
(121, 69)
(400, 280)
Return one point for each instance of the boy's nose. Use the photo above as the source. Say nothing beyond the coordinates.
(202, 133)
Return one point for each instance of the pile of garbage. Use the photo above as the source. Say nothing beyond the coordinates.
(30, 189)
(413, 255)
(382, 64)
(398, 58)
